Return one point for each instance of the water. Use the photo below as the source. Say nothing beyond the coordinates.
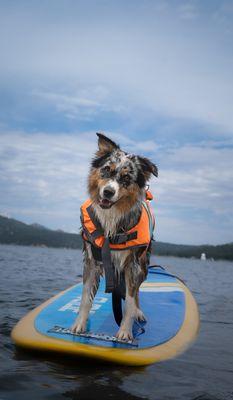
(28, 276)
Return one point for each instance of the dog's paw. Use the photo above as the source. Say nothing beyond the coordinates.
(139, 316)
(78, 327)
(124, 334)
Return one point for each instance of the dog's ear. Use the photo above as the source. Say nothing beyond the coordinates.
(105, 144)
(147, 167)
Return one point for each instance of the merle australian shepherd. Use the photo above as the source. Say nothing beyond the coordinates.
(117, 182)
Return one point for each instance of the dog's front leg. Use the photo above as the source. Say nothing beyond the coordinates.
(131, 306)
(135, 273)
(91, 276)
(125, 331)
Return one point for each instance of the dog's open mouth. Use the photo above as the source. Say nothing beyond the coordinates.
(105, 203)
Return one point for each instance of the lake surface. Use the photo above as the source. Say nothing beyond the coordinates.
(28, 276)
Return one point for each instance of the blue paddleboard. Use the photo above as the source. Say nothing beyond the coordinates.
(172, 324)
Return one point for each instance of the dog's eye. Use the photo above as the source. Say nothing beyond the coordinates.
(125, 180)
(106, 172)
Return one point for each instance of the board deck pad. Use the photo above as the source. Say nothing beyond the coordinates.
(163, 300)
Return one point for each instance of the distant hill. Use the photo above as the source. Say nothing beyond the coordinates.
(39, 226)
(16, 232)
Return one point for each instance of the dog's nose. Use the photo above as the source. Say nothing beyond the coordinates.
(109, 192)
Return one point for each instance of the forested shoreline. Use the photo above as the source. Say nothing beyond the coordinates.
(17, 232)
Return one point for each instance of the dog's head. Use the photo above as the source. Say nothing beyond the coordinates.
(116, 177)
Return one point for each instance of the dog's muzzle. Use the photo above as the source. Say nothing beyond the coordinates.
(108, 194)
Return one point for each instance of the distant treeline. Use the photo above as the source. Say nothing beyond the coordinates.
(223, 251)
(16, 232)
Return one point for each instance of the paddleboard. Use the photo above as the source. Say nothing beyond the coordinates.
(172, 324)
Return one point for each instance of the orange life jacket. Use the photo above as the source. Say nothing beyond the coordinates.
(139, 235)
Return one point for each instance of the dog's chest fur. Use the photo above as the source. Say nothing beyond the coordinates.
(112, 221)
(109, 220)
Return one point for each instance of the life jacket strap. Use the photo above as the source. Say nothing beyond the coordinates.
(108, 267)
(103, 254)
(120, 238)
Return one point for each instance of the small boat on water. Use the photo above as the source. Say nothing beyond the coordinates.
(203, 256)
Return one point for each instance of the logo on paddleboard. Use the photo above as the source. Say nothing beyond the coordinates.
(74, 304)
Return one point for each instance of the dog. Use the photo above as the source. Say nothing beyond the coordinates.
(117, 185)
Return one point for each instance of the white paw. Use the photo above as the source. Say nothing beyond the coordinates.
(78, 327)
(139, 316)
(124, 334)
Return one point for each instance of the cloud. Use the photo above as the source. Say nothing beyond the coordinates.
(145, 57)
(45, 176)
(43, 179)
(156, 76)
(194, 193)
(81, 103)
(199, 176)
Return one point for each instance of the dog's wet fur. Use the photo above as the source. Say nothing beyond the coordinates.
(116, 184)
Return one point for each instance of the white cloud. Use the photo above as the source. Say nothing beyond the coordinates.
(43, 179)
(198, 176)
(81, 104)
(194, 193)
(143, 62)
(153, 60)
(47, 173)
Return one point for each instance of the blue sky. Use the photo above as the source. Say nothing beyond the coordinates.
(156, 76)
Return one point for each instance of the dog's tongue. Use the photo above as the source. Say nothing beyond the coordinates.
(105, 203)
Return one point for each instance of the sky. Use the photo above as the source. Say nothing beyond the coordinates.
(155, 76)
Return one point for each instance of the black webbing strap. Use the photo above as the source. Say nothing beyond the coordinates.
(105, 252)
(120, 238)
(93, 218)
(108, 267)
(117, 306)
(96, 252)
(117, 295)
